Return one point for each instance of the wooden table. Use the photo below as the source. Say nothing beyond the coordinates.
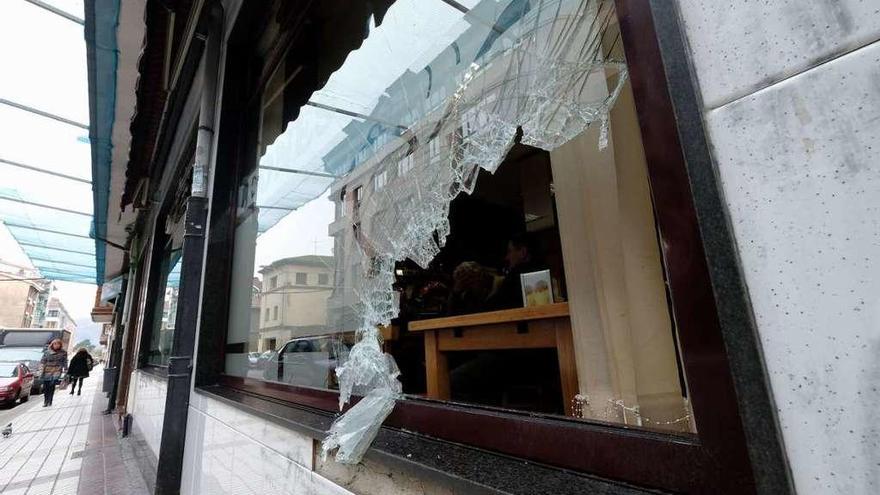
(536, 327)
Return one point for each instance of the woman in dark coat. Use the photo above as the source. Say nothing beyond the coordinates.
(79, 368)
(54, 364)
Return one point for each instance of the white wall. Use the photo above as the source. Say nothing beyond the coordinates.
(792, 106)
(231, 452)
(146, 404)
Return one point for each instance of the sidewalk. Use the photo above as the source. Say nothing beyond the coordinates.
(69, 448)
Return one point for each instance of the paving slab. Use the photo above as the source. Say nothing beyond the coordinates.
(67, 448)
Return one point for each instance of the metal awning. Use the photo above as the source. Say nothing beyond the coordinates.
(45, 157)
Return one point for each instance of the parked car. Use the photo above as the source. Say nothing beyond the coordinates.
(309, 362)
(28, 356)
(16, 381)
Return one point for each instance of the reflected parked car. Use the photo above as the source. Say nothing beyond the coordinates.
(264, 358)
(16, 381)
(253, 359)
(28, 356)
(308, 362)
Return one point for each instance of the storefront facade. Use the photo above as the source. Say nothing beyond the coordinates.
(491, 232)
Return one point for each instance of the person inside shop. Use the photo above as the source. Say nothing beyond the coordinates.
(484, 377)
(471, 286)
(522, 257)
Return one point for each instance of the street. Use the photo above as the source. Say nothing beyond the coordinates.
(11, 412)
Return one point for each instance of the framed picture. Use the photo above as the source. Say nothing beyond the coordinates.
(536, 288)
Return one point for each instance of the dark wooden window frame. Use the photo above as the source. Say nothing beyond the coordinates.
(158, 240)
(157, 243)
(736, 450)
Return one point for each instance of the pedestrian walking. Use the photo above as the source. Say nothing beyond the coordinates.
(54, 363)
(80, 365)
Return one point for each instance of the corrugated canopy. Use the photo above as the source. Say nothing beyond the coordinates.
(45, 158)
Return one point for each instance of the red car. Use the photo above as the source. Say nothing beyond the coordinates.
(16, 381)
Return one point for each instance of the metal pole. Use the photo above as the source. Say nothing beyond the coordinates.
(298, 171)
(41, 205)
(56, 11)
(30, 244)
(283, 208)
(44, 171)
(43, 114)
(61, 262)
(40, 229)
(349, 113)
(46, 270)
(205, 135)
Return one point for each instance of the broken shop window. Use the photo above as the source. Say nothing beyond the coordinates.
(496, 177)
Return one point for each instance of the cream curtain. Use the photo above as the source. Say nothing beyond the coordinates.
(620, 319)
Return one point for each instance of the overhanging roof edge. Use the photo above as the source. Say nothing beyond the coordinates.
(101, 21)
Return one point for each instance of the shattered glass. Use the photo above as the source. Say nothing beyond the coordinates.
(544, 75)
(435, 95)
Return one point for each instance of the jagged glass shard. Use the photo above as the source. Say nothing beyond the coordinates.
(541, 71)
(353, 432)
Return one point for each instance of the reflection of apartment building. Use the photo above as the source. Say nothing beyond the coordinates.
(386, 160)
(23, 296)
(42, 302)
(388, 166)
(57, 316)
(293, 301)
(256, 295)
(103, 340)
(169, 308)
(106, 331)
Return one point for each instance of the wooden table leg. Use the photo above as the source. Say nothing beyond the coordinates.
(567, 365)
(437, 368)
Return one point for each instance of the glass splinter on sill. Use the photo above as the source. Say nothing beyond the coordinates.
(367, 366)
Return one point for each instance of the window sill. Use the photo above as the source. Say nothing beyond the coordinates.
(154, 370)
(463, 468)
